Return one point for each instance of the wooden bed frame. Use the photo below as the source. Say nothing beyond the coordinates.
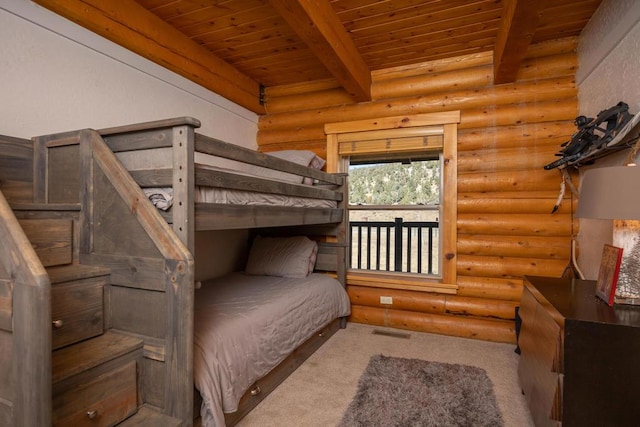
(151, 254)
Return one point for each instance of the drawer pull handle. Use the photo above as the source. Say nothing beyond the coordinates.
(92, 414)
(255, 391)
(57, 324)
(321, 334)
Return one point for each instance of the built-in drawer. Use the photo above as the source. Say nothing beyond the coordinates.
(101, 401)
(77, 310)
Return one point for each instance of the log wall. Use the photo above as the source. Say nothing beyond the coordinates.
(506, 135)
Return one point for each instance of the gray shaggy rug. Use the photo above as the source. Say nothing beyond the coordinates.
(410, 392)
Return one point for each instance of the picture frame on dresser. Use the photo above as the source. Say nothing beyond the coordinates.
(608, 273)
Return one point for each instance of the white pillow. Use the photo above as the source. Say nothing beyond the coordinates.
(282, 256)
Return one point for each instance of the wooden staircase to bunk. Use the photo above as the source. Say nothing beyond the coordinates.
(61, 363)
(94, 370)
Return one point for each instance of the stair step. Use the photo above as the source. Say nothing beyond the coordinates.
(71, 272)
(81, 357)
(150, 417)
(46, 207)
(51, 238)
(94, 382)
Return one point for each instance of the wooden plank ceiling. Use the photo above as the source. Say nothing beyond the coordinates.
(235, 46)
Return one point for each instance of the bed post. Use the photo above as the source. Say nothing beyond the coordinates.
(344, 238)
(343, 233)
(183, 184)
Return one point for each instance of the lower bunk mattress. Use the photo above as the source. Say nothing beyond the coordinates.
(246, 325)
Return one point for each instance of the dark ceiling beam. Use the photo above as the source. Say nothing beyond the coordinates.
(520, 19)
(317, 24)
(130, 25)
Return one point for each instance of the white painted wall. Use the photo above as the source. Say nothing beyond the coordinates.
(56, 76)
(608, 72)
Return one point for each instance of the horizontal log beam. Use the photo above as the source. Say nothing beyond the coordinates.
(466, 327)
(515, 224)
(421, 302)
(434, 303)
(553, 47)
(509, 289)
(493, 160)
(552, 110)
(301, 88)
(430, 83)
(533, 205)
(467, 306)
(435, 119)
(307, 101)
(509, 267)
(517, 180)
(511, 136)
(515, 246)
(532, 194)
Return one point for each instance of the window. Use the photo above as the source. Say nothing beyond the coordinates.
(394, 212)
(377, 141)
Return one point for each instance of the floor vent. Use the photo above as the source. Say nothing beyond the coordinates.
(391, 334)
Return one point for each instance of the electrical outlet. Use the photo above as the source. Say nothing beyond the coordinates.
(386, 300)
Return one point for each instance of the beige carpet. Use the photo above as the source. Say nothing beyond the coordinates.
(318, 392)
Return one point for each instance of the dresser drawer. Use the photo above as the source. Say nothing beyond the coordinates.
(101, 401)
(77, 310)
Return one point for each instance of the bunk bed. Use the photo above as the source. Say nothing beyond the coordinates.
(116, 175)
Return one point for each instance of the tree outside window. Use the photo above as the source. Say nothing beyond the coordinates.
(394, 211)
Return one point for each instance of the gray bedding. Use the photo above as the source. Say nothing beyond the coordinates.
(246, 325)
(238, 197)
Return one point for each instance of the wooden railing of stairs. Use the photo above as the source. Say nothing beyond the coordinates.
(25, 328)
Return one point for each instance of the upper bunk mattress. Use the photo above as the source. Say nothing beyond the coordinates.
(162, 197)
(238, 197)
(218, 195)
(246, 325)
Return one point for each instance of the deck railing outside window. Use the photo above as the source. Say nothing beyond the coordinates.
(410, 247)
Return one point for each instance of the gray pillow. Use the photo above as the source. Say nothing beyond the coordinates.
(301, 157)
(282, 256)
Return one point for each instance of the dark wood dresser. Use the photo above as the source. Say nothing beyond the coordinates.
(580, 360)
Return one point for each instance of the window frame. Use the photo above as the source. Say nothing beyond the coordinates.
(399, 135)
